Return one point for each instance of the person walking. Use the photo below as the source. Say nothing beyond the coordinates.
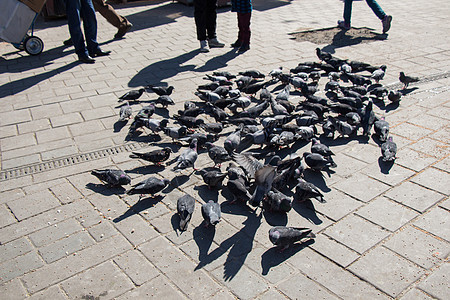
(205, 16)
(385, 19)
(243, 8)
(77, 9)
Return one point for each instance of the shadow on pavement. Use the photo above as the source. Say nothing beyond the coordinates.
(139, 206)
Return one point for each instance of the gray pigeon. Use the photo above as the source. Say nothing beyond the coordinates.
(378, 74)
(277, 108)
(175, 132)
(217, 153)
(381, 128)
(125, 112)
(283, 237)
(317, 162)
(112, 176)
(389, 150)
(306, 190)
(211, 213)
(238, 189)
(394, 96)
(263, 180)
(406, 80)
(165, 101)
(284, 94)
(155, 156)
(132, 95)
(151, 185)
(185, 209)
(187, 158)
(367, 118)
(161, 90)
(155, 125)
(213, 178)
(343, 127)
(322, 149)
(277, 201)
(232, 141)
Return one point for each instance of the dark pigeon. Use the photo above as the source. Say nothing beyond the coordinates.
(213, 178)
(151, 186)
(306, 190)
(406, 80)
(389, 150)
(165, 101)
(277, 201)
(381, 128)
(155, 156)
(112, 176)
(283, 237)
(217, 153)
(317, 162)
(132, 95)
(185, 209)
(161, 90)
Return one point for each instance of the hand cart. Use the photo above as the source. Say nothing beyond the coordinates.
(17, 24)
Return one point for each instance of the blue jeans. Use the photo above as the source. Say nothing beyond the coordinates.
(77, 9)
(372, 4)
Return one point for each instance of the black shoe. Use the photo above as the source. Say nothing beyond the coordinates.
(236, 44)
(86, 59)
(101, 53)
(68, 42)
(243, 48)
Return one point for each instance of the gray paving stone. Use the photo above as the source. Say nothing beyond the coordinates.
(66, 246)
(205, 254)
(89, 218)
(39, 187)
(158, 288)
(356, 233)
(394, 176)
(66, 192)
(414, 196)
(393, 279)
(300, 285)
(411, 131)
(8, 130)
(67, 119)
(85, 128)
(136, 230)
(436, 284)
(33, 126)
(6, 217)
(98, 113)
(15, 142)
(52, 134)
(43, 220)
(82, 260)
(11, 195)
(15, 248)
(33, 204)
(337, 280)
(19, 265)
(419, 247)
(436, 222)
(272, 293)
(21, 161)
(431, 147)
(415, 294)
(163, 224)
(333, 250)
(55, 232)
(104, 281)
(361, 187)
(365, 152)
(137, 267)
(434, 179)
(54, 293)
(46, 111)
(386, 213)
(102, 230)
(13, 290)
(193, 283)
(338, 205)
(109, 206)
(445, 204)
(443, 165)
(14, 117)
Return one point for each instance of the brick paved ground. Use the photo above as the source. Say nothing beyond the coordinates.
(64, 235)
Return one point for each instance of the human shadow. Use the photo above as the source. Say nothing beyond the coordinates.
(354, 36)
(105, 190)
(262, 5)
(385, 166)
(217, 62)
(273, 257)
(139, 206)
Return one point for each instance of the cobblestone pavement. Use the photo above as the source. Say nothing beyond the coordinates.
(382, 234)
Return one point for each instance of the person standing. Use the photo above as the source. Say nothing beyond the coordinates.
(77, 9)
(385, 19)
(243, 8)
(205, 16)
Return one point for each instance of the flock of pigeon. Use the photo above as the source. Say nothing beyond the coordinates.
(259, 117)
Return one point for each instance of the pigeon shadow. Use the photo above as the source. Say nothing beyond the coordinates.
(206, 193)
(408, 90)
(203, 237)
(139, 206)
(177, 181)
(149, 169)
(392, 106)
(306, 210)
(385, 166)
(105, 190)
(317, 179)
(275, 218)
(118, 125)
(273, 257)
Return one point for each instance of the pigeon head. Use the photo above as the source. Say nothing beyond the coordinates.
(170, 89)
(274, 236)
(124, 179)
(182, 131)
(163, 123)
(193, 144)
(211, 137)
(141, 90)
(199, 122)
(209, 145)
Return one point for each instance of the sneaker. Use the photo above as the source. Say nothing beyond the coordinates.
(343, 25)
(386, 23)
(243, 48)
(214, 43)
(123, 29)
(237, 44)
(204, 46)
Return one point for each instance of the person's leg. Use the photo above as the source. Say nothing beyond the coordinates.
(74, 22)
(90, 26)
(348, 11)
(246, 33)
(108, 12)
(376, 9)
(199, 16)
(211, 18)
(238, 42)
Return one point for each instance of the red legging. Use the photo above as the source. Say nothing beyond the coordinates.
(244, 27)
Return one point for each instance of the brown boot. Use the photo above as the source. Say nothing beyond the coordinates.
(123, 29)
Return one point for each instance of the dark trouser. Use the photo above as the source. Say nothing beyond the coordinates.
(108, 12)
(244, 27)
(372, 4)
(205, 18)
(77, 9)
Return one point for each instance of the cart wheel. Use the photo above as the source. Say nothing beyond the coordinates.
(33, 45)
